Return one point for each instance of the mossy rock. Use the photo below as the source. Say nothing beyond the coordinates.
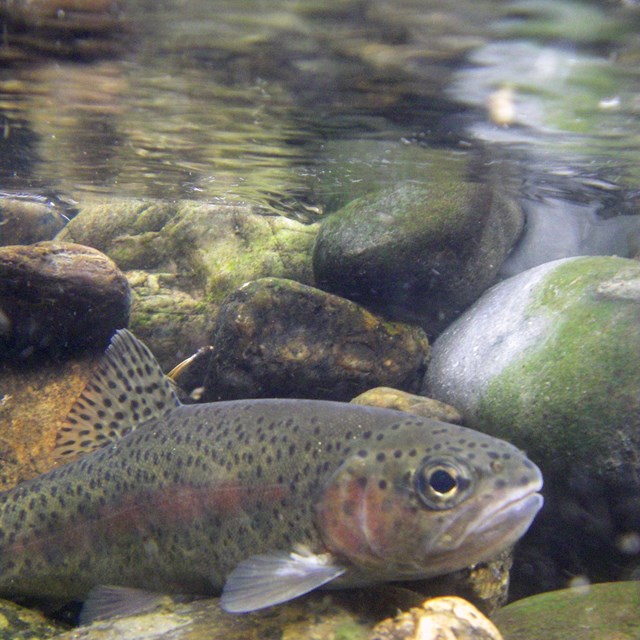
(183, 258)
(549, 360)
(18, 623)
(418, 252)
(609, 611)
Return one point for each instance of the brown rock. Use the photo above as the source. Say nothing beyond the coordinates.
(278, 338)
(59, 298)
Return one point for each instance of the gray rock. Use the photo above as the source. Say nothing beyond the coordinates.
(278, 338)
(561, 229)
(418, 253)
(59, 298)
(548, 359)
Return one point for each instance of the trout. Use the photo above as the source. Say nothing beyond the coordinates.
(262, 500)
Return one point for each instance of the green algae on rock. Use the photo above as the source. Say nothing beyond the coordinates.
(183, 258)
(604, 611)
(278, 338)
(549, 359)
(18, 623)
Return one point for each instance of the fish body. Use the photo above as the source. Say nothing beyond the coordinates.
(266, 499)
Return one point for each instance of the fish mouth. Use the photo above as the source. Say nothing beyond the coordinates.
(516, 514)
(493, 528)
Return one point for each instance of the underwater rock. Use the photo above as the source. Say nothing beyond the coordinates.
(485, 584)
(25, 221)
(560, 229)
(279, 338)
(34, 401)
(315, 617)
(549, 361)
(59, 298)
(18, 623)
(605, 611)
(69, 27)
(183, 258)
(389, 398)
(447, 618)
(419, 253)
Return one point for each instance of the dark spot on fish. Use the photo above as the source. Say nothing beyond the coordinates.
(361, 482)
(348, 508)
(493, 455)
(524, 480)
(500, 483)
(379, 437)
(382, 485)
(363, 453)
(397, 453)
(381, 457)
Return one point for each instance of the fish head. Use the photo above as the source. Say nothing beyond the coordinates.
(427, 499)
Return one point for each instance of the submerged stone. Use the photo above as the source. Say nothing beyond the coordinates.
(447, 617)
(279, 338)
(605, 611)
(18, 623)
(389, 398)
(25, 220)
(183, 258)
(549, 360)
(59, 298)
(419, 253)
(34, 401)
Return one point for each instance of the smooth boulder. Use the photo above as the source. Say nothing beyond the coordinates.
(418, 252)
(59, 298)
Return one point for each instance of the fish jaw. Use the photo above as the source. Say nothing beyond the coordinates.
(497, 526)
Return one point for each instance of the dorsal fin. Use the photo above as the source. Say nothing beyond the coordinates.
(127, 389)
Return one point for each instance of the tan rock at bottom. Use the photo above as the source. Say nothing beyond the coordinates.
(389, 398)
(448, 618)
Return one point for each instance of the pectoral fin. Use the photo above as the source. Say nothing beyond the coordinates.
(109, 601)
(264, 580)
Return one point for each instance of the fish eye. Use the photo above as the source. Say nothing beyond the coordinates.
(442, 484)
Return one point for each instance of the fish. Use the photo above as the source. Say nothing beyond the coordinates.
(260, 500)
